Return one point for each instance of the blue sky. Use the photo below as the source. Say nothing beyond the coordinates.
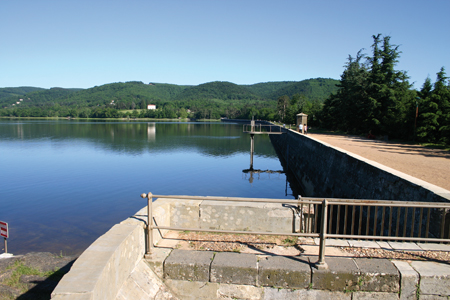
(80, 44)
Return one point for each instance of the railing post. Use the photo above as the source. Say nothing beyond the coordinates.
(321, 264)
(149, 237)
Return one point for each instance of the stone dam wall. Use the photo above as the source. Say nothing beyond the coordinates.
(326, 171)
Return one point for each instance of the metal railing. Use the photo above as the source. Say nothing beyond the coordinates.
(262, 129)
(343, 219)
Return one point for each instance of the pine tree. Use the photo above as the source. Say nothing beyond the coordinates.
(441, 96)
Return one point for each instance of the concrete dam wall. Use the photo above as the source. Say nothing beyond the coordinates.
(326, 171)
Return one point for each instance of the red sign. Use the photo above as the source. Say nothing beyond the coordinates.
(4, 229)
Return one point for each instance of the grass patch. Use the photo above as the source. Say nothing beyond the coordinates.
(290, 241)
(20, 269)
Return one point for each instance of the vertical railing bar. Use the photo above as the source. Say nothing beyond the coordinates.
(331, 219)
(427, 229)
(360, 219)
(149, 237)
(405, 222)
(383, 215)
(375, 221)
(368, 220)
(420, 221)
(338, 218)
(413, 221)
(316, 216)
(353, 220)
(345, 219)
(321, 264)
(390, 220)
(302, 227)
(397, 228)
(442, 224)
(309, 218)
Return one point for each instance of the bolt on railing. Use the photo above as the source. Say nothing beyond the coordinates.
(335, 223)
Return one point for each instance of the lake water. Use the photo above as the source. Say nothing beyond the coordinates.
(65, 183)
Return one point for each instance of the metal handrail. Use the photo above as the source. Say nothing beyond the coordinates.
(258, 128)
(352, 207)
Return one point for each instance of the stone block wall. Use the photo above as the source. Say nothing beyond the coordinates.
(326, 171)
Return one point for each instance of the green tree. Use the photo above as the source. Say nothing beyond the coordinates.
(282, 105)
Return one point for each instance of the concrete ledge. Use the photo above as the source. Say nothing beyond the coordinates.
(286, 272)
(434, 278)
(188, 265)
(377, 275)
(342, 275)
(234, 268)
(409, 280)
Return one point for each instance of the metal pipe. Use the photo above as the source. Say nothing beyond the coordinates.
(335, 201)
(353, 220)
(330, 229)
(412, 222)
(389, 238)
(405, 222)
(306, 221)
(338, 218)
(368, 220)
(360, 220)
(420, 222)
(375, 221)
(149, 242)
(390, 220)
(316, 216)
(442, 224)
(238, 231)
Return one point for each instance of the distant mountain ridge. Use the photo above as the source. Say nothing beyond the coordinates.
(138, 92)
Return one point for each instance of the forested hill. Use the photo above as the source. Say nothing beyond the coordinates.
(17, 91)
(127, 93)
(211, 100)
(319, 88)
(314, 89)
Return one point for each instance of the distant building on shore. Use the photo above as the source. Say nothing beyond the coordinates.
(151, 106)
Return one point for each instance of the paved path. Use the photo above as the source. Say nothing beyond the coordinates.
(430, 165)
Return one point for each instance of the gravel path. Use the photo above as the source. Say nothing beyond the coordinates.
(430, 165)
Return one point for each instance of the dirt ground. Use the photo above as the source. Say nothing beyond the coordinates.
(430, 165)
(288, 246)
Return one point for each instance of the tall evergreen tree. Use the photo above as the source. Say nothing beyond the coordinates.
(441, 96)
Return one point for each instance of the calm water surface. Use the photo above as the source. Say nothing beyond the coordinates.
(65, 183)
